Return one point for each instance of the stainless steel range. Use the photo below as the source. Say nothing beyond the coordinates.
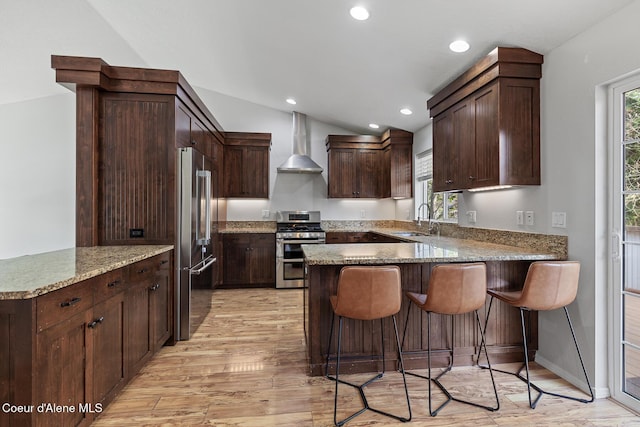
(294, 229)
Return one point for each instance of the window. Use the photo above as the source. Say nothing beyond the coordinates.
(444, 205)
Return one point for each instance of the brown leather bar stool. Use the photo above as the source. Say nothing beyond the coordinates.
(366, 293)
(453, 289)
(548, 285)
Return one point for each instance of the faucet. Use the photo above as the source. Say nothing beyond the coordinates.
(418, 223)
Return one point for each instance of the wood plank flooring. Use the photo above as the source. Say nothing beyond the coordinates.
(245, 366)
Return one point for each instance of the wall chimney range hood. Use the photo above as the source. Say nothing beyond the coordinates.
(299, 161)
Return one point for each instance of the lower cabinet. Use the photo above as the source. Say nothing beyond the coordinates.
(249, 260)
(359, 237)
(70, 351)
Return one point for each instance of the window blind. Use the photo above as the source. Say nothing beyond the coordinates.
(424, 166)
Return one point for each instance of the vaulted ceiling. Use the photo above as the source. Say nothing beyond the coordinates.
(341, 71)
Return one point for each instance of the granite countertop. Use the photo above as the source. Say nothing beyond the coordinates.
(421, 249)
(238, 230)
(32, 275)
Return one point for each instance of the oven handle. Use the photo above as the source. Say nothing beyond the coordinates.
(285, 260)
(302, 241)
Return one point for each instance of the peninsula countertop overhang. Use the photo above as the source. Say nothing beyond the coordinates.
(422, 249)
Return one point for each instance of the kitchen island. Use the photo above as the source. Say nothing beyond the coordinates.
(506, 269)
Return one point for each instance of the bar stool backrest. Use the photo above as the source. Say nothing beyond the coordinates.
(550, 285)
(368, 292)
(456, 288)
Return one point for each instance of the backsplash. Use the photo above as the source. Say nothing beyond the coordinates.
(551, 243)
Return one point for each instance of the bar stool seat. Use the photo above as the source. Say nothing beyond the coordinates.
(549, 285)
(366, 293)
(453, 289)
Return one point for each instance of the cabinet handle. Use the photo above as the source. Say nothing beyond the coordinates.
(71, 302)
(449, 181)
(114, 283)
(193, 142)
(471, 178)
(144, 270)
(96, 322)
(164, 261)
(155, 287)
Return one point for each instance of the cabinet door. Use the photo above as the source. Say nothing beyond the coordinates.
(463, 128)
(106, 332)
(183, 127)
(62, 379)
(342, 173)
(233, 173)
(445, 154)
(485, 169)
(263, 260)
(401, 171)
(160, 303)
(237, 250)
(368, 172)
(137, 331)
(255, 170)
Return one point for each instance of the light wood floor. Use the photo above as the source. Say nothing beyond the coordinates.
(245, 366)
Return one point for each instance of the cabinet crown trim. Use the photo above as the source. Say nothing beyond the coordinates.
(500, 62)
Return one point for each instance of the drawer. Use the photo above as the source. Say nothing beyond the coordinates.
(59, 305)
(163, 261)
(108, 284)
(143, 271)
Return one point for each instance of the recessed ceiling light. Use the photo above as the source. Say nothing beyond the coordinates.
(459, 46)
(406, 111)
(373, 126)
(291, 101)
(359, 13)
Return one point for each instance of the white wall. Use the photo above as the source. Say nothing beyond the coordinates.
(37, 118)
(37, 175)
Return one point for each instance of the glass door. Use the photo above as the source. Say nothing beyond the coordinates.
(625, 251)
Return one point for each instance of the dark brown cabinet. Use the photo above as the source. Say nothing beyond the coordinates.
(354, 173)
(246, 165)
(107, 335)
(337, 237)
(79, 345)
(249, 260)
(61, 371)
(486, 124)
(160, 318)
(397, 168)
(364, 166)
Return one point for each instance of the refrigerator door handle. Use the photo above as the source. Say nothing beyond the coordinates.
(206, 263)
(204, 201)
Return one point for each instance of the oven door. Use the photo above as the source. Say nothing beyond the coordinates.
(290, 261)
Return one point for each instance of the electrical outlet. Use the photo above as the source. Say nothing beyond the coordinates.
(519, 218)
(528, 218)
(266, 213)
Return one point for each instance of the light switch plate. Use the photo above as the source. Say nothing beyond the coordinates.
(519, 217)
(559, 219)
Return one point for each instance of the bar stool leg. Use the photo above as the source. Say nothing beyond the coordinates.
(361, 387)
(436, 380)
(527, 379)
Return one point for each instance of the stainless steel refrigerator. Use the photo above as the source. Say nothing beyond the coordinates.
(197, 217)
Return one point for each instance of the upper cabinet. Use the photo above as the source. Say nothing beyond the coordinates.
(486, 123)
(365, 166)
(246, 165)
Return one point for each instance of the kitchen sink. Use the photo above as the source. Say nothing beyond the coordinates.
(409, 234)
